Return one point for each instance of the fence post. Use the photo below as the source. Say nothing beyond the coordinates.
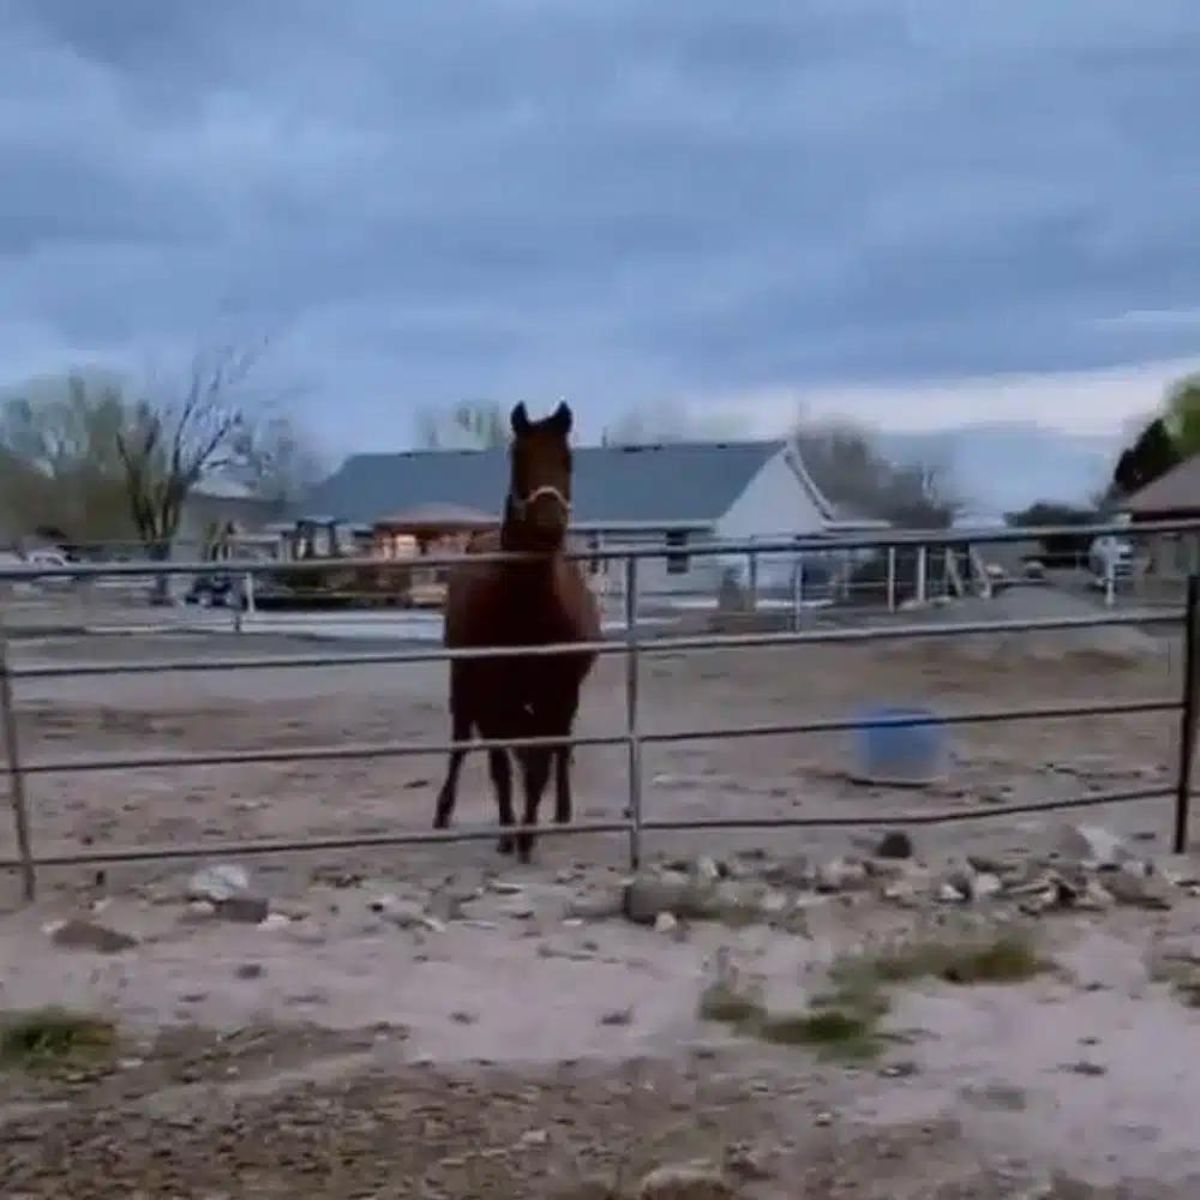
(797, 591)
(891, 578)
(16, 777)
(1187, 721)
(632, 721)
(922, 574)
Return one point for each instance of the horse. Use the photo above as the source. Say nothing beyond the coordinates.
(543, 599)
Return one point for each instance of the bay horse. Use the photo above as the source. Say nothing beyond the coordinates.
(541, 600)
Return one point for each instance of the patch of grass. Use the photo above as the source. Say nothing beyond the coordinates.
(833, 1032)
(724, 1003)
(50, 1038)
(1183, 976)
(1007, 956)
(837, 1026)
(844, 1022)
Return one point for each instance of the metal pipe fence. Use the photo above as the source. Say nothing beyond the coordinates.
(634, 647)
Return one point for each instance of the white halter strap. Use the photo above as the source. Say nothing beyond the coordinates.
(523, 503)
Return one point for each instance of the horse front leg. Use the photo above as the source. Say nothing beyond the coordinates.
(535, 769)
(460, 731)
(500, 766)
(562, 785)
(564, 757)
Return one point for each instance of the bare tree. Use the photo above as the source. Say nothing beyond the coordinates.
(850, 470)
(175, 438)
(668, 421)
(282, 463)
(59, 466)
(477, 424)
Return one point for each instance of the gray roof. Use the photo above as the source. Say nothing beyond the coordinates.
(1178, 491)
(672, 483)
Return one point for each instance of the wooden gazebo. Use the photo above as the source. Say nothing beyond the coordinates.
(428, 529)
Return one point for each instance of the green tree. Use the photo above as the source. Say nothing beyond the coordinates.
(1153, 453)
(1182, 415)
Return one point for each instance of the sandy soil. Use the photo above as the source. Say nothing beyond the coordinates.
(508, 1046)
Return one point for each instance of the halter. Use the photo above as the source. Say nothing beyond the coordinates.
(521, 505)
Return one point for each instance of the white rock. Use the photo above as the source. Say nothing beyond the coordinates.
(274, 921)
(502, 887)
(985, 885)
(698, 1180)
(221, 881)
(1091, 844)
(665, 922)
(841, 874)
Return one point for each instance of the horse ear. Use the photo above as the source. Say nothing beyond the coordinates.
(520, 419)
(562, 419)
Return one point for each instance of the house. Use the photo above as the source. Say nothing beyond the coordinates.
(215, 505)
(683, 493)
(1174, 496)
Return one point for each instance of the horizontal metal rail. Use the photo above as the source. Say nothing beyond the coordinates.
(375, 750)
(658, 646)
(698, 549)
(417, 837)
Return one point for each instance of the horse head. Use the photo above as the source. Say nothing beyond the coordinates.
(538, 508)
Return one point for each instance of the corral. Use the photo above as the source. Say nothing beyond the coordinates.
(471, 982)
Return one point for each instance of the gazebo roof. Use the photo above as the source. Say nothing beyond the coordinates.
(437, 517)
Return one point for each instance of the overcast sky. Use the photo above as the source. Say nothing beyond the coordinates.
(850, 202)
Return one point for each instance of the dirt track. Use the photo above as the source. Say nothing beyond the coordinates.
(357, 1115)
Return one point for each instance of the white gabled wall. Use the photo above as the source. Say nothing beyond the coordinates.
(775, 503)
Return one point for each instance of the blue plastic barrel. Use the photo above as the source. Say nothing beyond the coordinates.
(896, 745)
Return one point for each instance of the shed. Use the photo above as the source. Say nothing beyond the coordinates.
(1174, 496)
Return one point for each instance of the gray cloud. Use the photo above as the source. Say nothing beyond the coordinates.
(613, 200)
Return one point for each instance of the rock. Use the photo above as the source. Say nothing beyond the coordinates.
(700, 1180)
(1128, 886)
(666, 922)
(1091, 844)
(534, 1138)
(406, 914)
(647, 895)
(273, 921)
(245, 910)
(707, 870)
(249, 971)
(502, 887)
(895, 844)
(747, 1163)
(222, 881)
(87, 935)
(200, 910)
(618, 1016)
(1179, 870)
(841, 875)
(985, 885)
(955, 890)
(901, 892)
(790, 873)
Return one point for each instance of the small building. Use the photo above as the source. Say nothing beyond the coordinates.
(221, 509)
(1174, 496)
(681, 493)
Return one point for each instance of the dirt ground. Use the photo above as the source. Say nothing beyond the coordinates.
(510, 1046)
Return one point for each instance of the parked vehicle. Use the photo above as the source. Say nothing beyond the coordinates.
(1110, 556)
